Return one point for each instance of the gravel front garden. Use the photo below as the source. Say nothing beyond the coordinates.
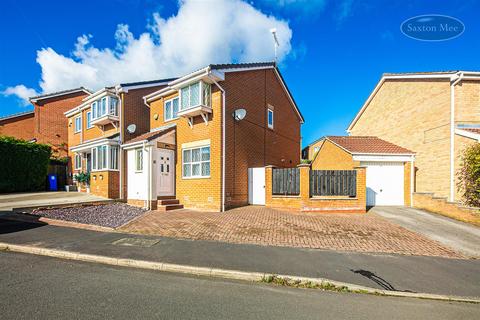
(106, 215)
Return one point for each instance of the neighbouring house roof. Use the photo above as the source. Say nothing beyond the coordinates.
(149, 136)
(474, 130)
(58, 93)
(367, 145)
(146, 83)
(452, 75)
(230, 67)
(468, 132)
(16, 115)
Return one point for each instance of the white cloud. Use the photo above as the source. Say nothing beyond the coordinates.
(200, 33)
(20, 91)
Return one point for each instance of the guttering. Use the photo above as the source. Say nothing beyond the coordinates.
(467, 134)
(454, 80)
(223, 138)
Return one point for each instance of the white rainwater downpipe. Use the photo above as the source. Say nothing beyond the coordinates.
(149, 176)
(453, 83)
(120, 150)
(223, 139)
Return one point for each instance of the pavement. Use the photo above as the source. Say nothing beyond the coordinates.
(266, 226)
(455, 234)
(436, 275)
(46, 288)
(9, 202)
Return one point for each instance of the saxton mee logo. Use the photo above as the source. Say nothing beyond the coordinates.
(432, 27)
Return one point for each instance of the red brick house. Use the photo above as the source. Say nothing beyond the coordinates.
(19, 125)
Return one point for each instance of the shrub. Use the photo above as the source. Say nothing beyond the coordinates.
(23, 165)
(469, 175)
(82, 177)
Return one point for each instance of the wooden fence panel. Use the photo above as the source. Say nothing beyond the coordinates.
(286, 181)
(333, 183)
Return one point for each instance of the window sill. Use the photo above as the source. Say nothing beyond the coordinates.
(195, 178)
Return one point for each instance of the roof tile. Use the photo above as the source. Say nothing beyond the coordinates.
(368, 144)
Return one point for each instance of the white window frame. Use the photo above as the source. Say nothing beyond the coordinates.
(97, 107)
(88, 116)
(201, 98)
(94, 107)
(270, 111)
(191, 163)
(165, 118)
(77, 129)
(104, 161)
(77, 161)
(316, 149)
(113, 157)
(139, 156)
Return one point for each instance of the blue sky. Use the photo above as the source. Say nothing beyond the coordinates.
(332, 52)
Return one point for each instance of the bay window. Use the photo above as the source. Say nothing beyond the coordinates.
(171, 109)
(105, 158)
(196, 162)
(89, 120)
(195, 94)
(78, 161)
(105, 106)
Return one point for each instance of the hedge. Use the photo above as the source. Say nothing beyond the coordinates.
(23, 165)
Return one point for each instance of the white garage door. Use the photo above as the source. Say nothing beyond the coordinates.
(384, 183)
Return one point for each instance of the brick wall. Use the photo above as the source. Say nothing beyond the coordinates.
(331, 157)
(21, 127)
(105, 184)
(305, 203)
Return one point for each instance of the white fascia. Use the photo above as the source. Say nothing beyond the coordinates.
(378, 157)
(95, 143)
(467, 134)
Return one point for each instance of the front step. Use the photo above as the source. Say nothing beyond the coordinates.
(168, 201)
(168, 207)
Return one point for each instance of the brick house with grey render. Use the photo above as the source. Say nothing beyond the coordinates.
(434, 114)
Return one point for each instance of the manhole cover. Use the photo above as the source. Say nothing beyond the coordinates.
(135, 242)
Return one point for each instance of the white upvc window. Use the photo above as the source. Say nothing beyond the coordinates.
(78, 124)
(195, 94)
(196, 162)
(138, 160)
(170, 109)
(77, 161)
(105, 106)
(316, 149)
(105, 158)
(89, 120)
(270, 118)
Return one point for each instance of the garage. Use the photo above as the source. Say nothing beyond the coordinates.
(385, 183)
(389, 167)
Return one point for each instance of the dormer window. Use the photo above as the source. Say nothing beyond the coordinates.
(194, 95)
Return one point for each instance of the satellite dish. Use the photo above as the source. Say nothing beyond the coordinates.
(131, 128)
(239, 114)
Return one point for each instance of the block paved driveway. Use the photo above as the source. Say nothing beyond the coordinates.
(264, 226)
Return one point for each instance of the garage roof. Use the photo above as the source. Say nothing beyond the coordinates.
(367, 145)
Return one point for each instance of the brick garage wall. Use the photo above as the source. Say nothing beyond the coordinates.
(249, 142)
(51, 125)
(105, 184)
(332, 157)
(21, 127)
(305, 203)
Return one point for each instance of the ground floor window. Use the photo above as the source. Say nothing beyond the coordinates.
(138, 160)
(196, 162)
(78, 161)
(105, 158)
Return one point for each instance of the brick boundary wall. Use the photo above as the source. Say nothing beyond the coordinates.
(305, 203)
(440, 205)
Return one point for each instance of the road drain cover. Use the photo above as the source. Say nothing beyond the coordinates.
(135, 242)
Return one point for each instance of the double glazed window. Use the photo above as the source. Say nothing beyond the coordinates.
(78, 124)
(138, 160)
(105, 106)
(77, 161)
(195, 94)
(89, 120)
(196, 162)
(105, 158)
(270, 118)
(171, 109)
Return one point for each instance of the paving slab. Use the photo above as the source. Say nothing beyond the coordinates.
(435, 275)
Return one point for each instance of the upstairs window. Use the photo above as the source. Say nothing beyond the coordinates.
(270, 118)
(89, 120)
(171, 109)
(78, 124)
(105, 106)
(195, 94)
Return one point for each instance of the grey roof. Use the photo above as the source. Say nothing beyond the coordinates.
(15, 115)
(139, 83)
(58, 93)
(243, 65)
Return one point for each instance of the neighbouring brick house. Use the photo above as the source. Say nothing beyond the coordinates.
(97, 126)
(208, 129)
(435, 114)
(46, 123)
(388, 166)
(19, 125)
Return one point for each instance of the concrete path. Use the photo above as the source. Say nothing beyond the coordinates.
(458, 235)
(459, 277)
(35, 287)
(8, 202)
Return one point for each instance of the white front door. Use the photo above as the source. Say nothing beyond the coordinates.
(256, 186)
(385, 182)
(165, 166)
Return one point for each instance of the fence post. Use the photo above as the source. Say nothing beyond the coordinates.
(362, 185)
(268, 185)
(304, 181)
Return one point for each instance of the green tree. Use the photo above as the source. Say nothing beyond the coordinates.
(469, 175)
